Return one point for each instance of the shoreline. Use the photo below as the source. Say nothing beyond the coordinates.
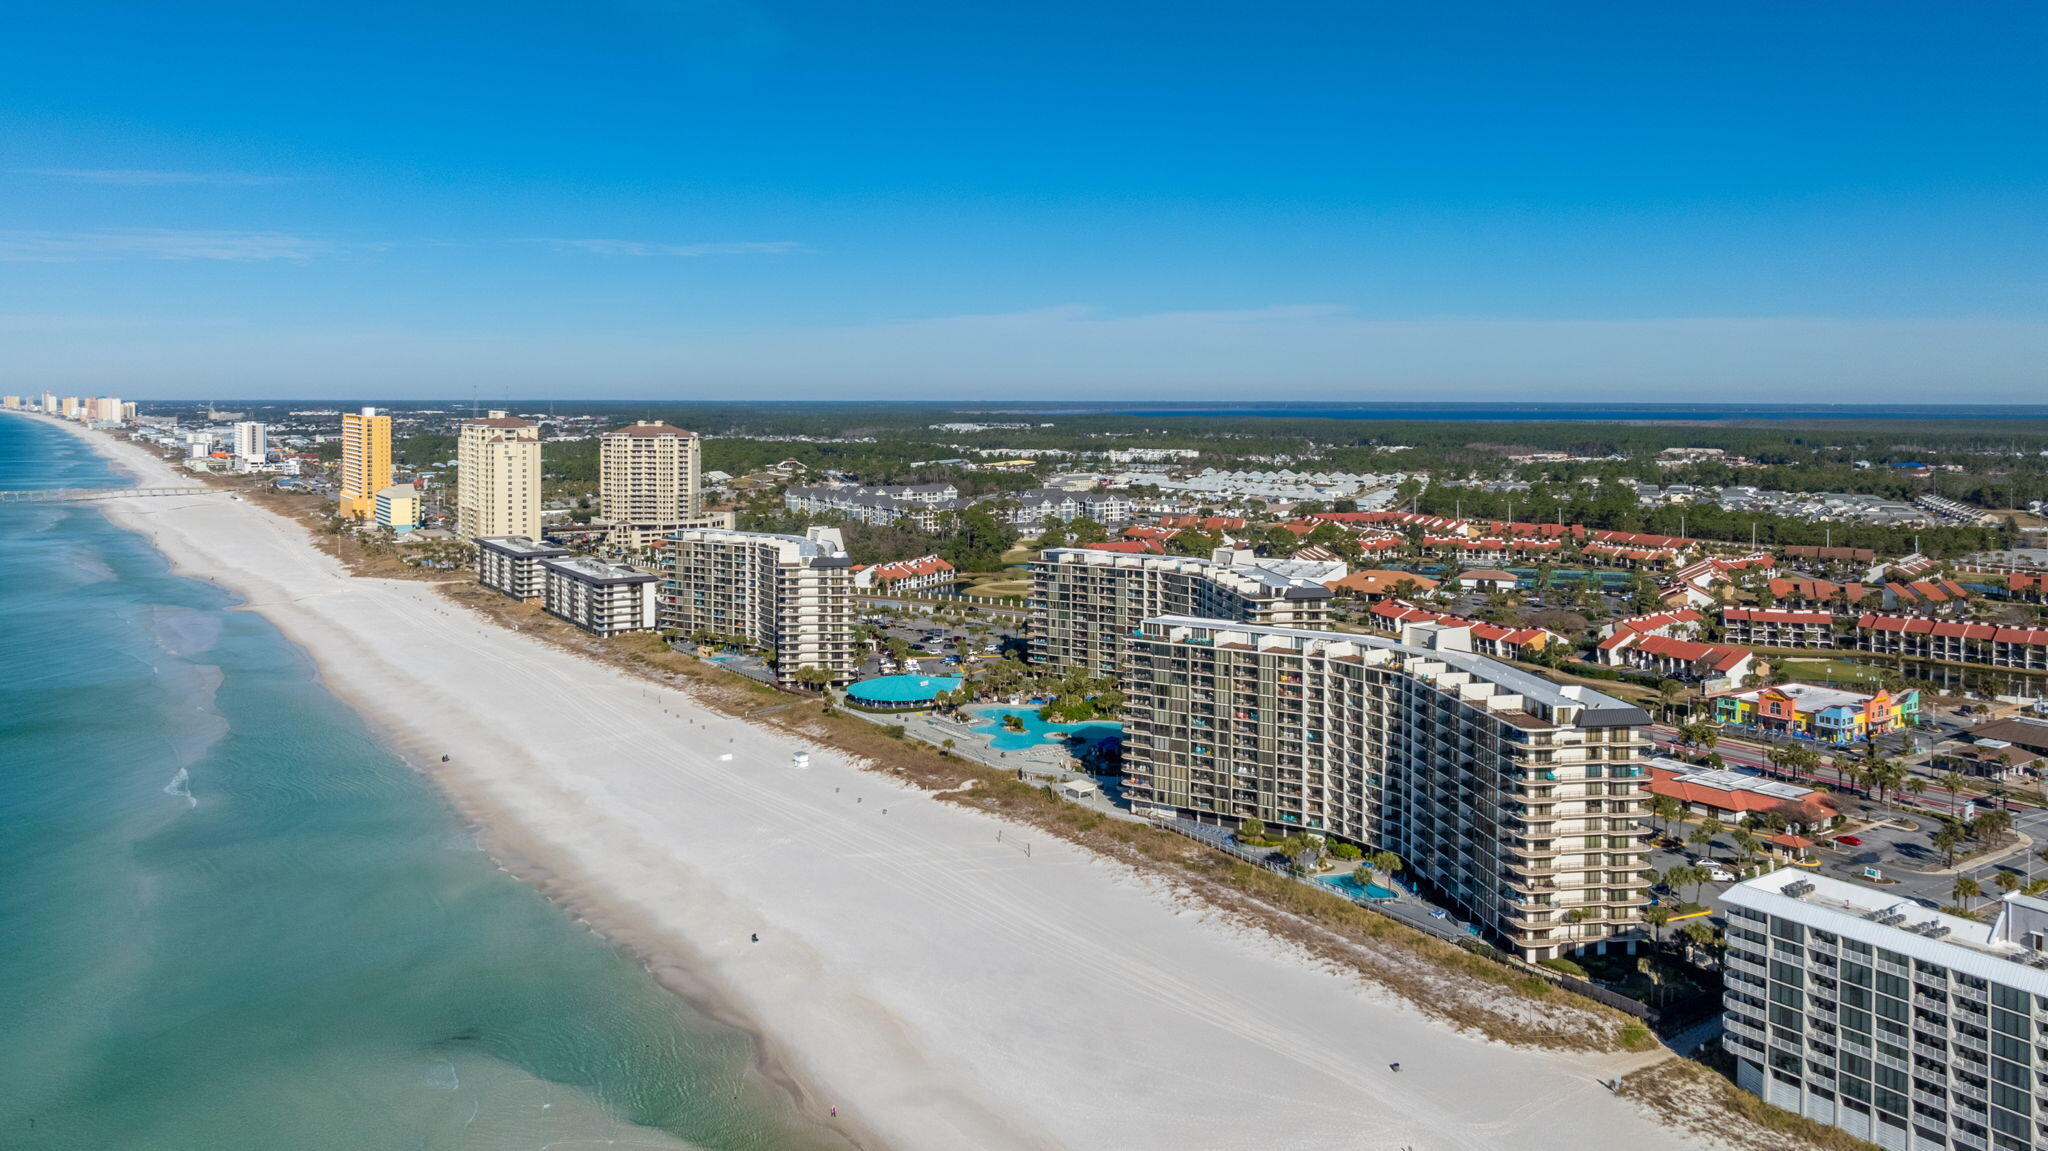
(943, 989)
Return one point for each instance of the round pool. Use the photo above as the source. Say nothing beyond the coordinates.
(902, 688)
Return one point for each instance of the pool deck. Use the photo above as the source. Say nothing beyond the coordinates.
(1048, 762)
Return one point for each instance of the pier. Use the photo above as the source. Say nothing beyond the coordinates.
(75, 495)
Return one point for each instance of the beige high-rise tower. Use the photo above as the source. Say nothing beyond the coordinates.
(497, 491)
(648, 476)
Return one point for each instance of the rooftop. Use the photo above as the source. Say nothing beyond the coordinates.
(1598, 709)
(648, 431)
(1810, 697)
(592, 568)
(1900, 925)
(520, 546)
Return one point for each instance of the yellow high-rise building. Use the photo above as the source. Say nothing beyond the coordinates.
(365, 461)
(497, 481)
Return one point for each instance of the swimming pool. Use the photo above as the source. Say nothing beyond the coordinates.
(902, 688)
(1350, 888)
(1083, 739)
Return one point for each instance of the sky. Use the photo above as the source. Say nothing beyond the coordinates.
(720, 199)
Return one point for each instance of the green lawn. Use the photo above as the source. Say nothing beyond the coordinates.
(1839, 671)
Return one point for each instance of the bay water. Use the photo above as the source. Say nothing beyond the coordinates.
(230, 920)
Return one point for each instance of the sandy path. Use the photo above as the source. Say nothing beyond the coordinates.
(942, 988)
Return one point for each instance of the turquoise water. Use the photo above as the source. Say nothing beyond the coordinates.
(903, 688)
(1083, 737)
(1350, 888)
(232, 921)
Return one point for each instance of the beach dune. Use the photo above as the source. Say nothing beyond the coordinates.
(940, 987)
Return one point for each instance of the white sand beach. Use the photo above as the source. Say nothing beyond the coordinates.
(943, 989)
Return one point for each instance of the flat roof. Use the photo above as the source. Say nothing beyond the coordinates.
(1811, 696)
(520, 546)
(1723, 779)
(593, 570)
(1598, 709)
(1850, 910)
(1287, 578)
(806, 546)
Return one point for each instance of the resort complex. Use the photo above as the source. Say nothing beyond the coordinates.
(1515, 801)
(1084, 603)
(788, 596)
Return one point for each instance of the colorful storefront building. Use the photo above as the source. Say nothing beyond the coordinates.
(1826, 714)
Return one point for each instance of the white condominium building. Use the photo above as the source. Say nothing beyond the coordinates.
(788, 596)
(650, 479)
(252, 445)
(1516, 802)
(498, 476)
(1085, 602)
(601, 598)
(1901, 1025)
(511, 564)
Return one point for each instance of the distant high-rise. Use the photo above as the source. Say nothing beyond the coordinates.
(497, 488)
(251, 444)
(365, 461)
(649, 477)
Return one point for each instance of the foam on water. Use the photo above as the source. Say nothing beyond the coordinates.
(316, 956)
(181, 786)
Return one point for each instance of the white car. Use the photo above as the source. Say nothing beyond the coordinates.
(1720, 875)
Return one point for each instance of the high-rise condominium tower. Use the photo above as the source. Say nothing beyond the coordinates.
(648, 475)
(365, 461)
(497, 490)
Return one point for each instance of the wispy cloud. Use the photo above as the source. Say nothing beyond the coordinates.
(160, 244)
(148, 177)
(640, 248)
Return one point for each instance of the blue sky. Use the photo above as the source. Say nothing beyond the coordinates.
(681, 199)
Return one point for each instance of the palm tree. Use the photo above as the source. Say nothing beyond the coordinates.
(1657, 917)
(1915, 785)
(2008, 880)
(1665, 809)
(1965, 890)
(1704, 835)
(1953, 784)
(1946, 839)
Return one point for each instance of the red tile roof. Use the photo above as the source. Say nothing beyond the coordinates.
(1130, 547)
(905, 569)
(1772, 615)
(1949, 629)
(1657, 621)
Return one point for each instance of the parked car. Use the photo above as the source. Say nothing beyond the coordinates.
(1720, 874)
(1848, 841)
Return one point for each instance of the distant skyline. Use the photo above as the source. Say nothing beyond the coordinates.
(716, 199)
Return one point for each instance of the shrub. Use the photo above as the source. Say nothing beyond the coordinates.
(1348, 851)
(1563, 965)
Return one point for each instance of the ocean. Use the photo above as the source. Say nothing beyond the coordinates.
(230, 920)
